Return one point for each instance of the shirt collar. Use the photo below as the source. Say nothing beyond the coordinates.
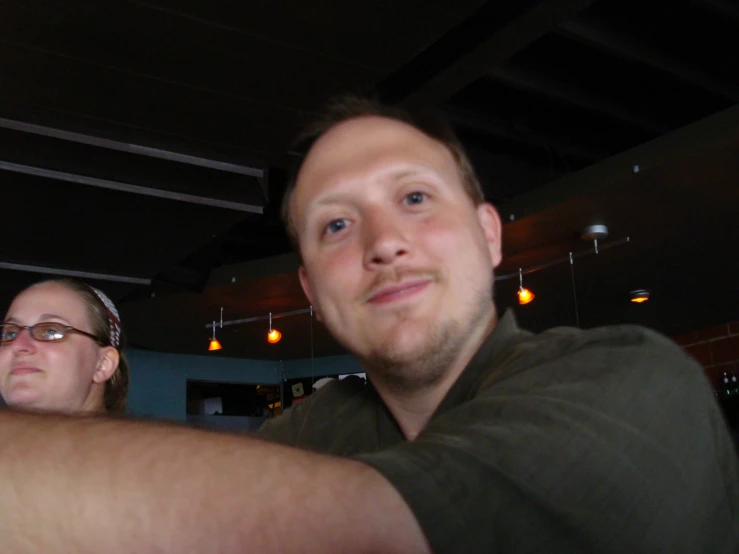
(497, 347)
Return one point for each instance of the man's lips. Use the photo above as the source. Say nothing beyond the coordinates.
(399, 291)
(24, 370)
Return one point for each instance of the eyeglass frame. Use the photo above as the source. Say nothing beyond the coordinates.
(65, 329)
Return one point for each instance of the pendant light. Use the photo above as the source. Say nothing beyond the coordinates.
(273, 335)
(214, 344)
(524, 295)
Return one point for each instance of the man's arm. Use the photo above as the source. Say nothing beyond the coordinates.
(100, 485)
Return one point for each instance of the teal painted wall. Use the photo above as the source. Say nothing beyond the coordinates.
(159, 381)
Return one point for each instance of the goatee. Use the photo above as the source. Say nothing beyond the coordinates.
(411, 370)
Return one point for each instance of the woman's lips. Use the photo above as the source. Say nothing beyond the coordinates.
(24, 370)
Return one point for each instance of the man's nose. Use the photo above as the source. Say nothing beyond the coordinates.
(385, 238)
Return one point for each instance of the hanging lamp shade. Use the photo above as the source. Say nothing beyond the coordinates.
(273, 336)
(525, 296)
(214, 345)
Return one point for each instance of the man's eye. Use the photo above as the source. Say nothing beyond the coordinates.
(335, 226)
(415, 198)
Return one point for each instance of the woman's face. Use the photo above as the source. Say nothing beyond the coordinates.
(68, 375)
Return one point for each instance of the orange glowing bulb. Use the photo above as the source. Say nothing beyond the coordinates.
(273, 336)
(214, 345)
(639, 299)
(525, 296)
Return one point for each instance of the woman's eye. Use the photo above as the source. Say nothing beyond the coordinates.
(335, 226)
(51, 333)
(415, 198)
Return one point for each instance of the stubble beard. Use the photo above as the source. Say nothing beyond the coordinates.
(405, 371)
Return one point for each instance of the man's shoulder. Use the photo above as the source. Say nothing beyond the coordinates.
(622, 352)
(338, 393)
(337, 401)
(605, 344)
(344, 388)
(609, 336)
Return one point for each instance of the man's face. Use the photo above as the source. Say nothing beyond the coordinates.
(398, 262)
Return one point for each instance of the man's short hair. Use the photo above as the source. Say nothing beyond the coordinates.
(348, 107)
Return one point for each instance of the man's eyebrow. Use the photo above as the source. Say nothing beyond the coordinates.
(409, 172)
(333, 198)
(393, 175)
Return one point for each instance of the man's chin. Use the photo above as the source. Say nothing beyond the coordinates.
(405, 341)
(402, 350)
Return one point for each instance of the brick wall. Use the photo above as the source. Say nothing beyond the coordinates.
(715, 348)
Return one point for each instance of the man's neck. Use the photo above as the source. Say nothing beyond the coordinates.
(412, 409)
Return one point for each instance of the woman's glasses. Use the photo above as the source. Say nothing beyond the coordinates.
(44, 332)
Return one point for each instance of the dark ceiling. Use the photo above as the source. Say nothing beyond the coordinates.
(147, 143)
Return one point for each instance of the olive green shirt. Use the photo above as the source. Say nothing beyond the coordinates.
(606, 440)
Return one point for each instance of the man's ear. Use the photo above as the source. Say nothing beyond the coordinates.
(107, 364)
(489, 220)
(303, 276)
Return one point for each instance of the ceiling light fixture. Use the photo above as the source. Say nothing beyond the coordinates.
(273, 335)
(524, 295)
(639, 296)
(594, 232)
(214, 344)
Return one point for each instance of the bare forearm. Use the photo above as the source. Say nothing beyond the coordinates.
(85, 485)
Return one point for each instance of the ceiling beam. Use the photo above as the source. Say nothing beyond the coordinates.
(719, 128)
(186, 149)
(725, 8)
(74, 273)
(526, 80)
(130, 148)
(508, 27)
(476, 122)
(127, 187)
(616, 43)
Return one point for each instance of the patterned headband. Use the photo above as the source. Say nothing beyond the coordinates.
(114, 320)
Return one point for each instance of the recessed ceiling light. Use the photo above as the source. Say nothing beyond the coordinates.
(639, 296)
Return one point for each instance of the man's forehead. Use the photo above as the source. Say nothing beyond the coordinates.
(356, 143)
